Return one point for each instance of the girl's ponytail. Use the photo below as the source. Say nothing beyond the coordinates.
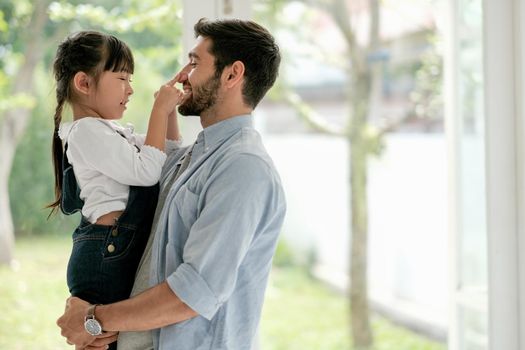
(58, 153)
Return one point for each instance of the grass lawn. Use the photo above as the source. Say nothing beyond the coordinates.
(299, 313)
(32, 294)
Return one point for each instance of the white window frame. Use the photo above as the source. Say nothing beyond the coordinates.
(504, 52)
(519, 83)
(503, 163)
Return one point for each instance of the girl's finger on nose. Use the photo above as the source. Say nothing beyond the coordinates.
(174, 80)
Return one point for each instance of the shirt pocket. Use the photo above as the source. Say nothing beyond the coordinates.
(187, 206)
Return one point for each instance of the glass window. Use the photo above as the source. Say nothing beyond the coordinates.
(472, 316)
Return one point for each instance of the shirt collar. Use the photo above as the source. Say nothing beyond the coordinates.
(66, 127)
(215, 133)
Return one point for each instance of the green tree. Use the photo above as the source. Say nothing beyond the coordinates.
(24, 48)
(363, 140)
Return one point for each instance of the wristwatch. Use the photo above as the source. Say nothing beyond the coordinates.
(91, 324)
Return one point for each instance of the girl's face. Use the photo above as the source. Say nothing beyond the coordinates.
(111, 94)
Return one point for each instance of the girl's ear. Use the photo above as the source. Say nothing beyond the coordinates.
(234, 74)
(82, 83)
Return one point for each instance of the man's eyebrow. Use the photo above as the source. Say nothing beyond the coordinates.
(193, 55)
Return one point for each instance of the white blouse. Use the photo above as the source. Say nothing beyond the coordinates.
(107, 158)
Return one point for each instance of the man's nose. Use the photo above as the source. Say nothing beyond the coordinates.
(186, 70)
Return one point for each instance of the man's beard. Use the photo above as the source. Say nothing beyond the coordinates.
(203, 97)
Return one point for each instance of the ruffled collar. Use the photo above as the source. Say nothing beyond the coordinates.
(65, 128)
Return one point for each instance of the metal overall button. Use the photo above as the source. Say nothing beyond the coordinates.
(111, 248)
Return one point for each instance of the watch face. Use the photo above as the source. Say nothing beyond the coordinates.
(93, 327)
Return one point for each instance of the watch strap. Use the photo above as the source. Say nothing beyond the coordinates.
(91, 312)
(90, 318)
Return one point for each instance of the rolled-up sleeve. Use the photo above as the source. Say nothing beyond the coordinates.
(173, 145)
(187, 283)
(233, 204)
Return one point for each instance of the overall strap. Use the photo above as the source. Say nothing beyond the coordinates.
(71, 202)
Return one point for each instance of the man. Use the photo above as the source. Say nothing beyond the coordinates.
(216, 232)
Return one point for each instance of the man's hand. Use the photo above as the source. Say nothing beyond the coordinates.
(71, 324)
(101, 342)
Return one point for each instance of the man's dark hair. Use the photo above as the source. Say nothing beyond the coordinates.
(246, 41)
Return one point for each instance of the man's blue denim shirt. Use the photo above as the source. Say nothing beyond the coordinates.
(217, 235)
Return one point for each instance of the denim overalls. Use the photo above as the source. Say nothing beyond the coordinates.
(104, 259)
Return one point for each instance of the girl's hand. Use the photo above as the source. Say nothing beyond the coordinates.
(168, 97)
(181, 77)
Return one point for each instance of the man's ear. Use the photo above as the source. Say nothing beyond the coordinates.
(233, 74)
(82, 83)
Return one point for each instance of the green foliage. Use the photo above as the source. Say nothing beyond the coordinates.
(3, 23)
(283, 255)
(16, 101)
(33, 294)
(119, 17)
(17, 15)
(372, 140)
(288, 257)
(152, 27)
(301, 313)
(269, 9)
(286, 20)
(32, 180)
(427, 96)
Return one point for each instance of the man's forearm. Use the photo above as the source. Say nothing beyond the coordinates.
(154, 308)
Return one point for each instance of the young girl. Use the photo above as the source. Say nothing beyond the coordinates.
(103, 169)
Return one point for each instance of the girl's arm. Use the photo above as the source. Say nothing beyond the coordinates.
(173, 132)
(173, 123)
(166, 100)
